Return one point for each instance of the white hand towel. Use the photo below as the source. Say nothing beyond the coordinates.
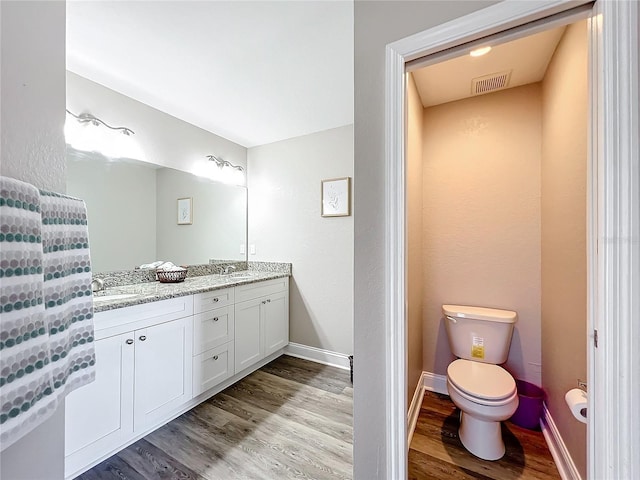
(170, 267)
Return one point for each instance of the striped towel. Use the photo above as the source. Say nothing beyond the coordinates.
(46, 309)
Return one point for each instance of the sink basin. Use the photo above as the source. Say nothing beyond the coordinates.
(241, 276)
(115, 296)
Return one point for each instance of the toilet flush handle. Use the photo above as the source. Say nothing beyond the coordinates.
(451, 318)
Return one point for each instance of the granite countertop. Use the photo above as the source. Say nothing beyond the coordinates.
(139, 293)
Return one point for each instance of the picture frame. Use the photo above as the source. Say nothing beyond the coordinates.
(185, 211)
(335, 194)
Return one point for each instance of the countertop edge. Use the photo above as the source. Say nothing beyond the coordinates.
(219, 282)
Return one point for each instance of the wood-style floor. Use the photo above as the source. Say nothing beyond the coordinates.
(436, 451)
(290, 419)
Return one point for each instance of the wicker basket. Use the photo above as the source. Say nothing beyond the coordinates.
(171, 276)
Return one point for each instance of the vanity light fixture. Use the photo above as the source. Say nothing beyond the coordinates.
(83, 132)
(88, 118)
(478, 52)
(224, 163)
(226, 172)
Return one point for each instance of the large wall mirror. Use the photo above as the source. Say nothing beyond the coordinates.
(133, 213)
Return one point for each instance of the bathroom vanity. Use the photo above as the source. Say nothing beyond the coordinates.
(162, 349)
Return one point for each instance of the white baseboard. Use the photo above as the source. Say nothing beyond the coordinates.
(558, 449)
(318, 355)
(435, 383)
(414, 409)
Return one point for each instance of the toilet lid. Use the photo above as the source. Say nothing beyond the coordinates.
(481, 380)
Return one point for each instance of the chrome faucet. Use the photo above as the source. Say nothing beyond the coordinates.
(97, 284)
(229, 268)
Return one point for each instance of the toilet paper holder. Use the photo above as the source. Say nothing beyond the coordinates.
(583, 386)
(577, 402)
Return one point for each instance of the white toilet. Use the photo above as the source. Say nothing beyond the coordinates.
(485, 393)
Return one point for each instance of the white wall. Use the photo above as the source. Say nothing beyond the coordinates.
(285, 225)
(32, 118)
(165, 140)
(33, 92)
(377, 24)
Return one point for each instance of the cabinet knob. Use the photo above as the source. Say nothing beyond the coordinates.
(215, 300)
(215, 319)
(142, 338)
(129, 341)
(215, 357)
(269, 300)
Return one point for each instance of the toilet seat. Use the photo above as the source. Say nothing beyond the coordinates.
(482, 383)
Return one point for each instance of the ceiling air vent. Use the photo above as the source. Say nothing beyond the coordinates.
(490, 83)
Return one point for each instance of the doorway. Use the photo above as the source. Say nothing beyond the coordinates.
(496, 164)
(611, 439)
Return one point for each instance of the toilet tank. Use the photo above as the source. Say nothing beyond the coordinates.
(479, 334)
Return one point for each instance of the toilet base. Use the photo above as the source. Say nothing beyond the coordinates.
(481, 438)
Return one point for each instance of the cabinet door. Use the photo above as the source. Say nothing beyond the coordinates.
(276, 322)
(163, 366)
(248, 344)
(99, 416)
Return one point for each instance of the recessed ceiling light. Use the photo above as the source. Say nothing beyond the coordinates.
(478, 52)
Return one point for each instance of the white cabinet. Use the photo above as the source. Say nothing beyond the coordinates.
(212, 329)
(154, 359)
(276, 322)
(203, 302)
(248, 333)
(99, 416)
(213, 339)
(212, 367)
(162, 371)
(142, 376)
(261, 321)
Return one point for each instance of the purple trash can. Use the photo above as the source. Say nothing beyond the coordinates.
(529, 409)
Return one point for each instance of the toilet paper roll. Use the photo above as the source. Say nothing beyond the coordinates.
(577, 401)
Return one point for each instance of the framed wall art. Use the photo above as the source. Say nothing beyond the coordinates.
(185, 211)
(336, 197)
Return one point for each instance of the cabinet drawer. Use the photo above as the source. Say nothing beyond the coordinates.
(212, 367)
(212, 328)
(260, 289)
(210, 300)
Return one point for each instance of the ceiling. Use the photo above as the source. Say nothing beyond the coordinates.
(251, 72)
(527, 58)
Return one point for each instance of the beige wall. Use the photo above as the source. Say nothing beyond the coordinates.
(415, 273)
(564, 290)
(285, 225)
(32, 143)
(482, 218)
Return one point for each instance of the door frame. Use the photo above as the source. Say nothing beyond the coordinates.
(613, 222)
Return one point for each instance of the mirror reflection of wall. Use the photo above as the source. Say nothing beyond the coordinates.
(132, 205)
(132, 210)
